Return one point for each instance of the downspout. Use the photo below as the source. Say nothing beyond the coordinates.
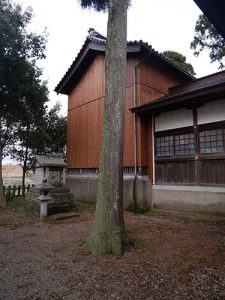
(153, 149)
(135, 146)
(135, 130)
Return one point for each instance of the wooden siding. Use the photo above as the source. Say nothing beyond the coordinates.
(85, 111)
(208, 172)
(91, 86)
(154, 80)
(212, 171)
(175, 171)
(83, 149)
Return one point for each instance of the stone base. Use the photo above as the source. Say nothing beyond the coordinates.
(137, 194)
(200, 199)
(62, 200)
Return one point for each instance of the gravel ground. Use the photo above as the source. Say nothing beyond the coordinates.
(175, 256)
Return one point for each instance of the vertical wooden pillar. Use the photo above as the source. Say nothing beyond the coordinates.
(196, 141)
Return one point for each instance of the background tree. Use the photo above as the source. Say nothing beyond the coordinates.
(43, 132)
(109, 233)
(207, 37)
(54, 131)
(19, 76)
(179, 60)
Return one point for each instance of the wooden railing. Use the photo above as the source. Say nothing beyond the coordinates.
(16, 191)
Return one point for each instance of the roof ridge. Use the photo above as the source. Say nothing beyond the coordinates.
(96, 37)
(92, 33)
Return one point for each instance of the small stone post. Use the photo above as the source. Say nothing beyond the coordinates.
(44, 198)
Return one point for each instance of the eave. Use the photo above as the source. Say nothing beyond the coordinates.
(194, 93)
(214, 10)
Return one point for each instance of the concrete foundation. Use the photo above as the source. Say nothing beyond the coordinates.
(137, 193)
(140, 194)
(189, 198)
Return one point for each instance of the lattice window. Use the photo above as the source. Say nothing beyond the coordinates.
(164, 146)
(211, 141)
(184, 144)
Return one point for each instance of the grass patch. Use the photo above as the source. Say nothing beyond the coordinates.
(24, 208)
(146, 245)
(156, 213)
(85, 209)
(135, 228)
(213, 258)
(84, 206)
(7, 221)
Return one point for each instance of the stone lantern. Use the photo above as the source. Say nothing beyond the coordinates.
(44, 197)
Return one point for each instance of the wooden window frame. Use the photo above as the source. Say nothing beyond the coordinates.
(196, 129)
(173, 132)
(212, 126)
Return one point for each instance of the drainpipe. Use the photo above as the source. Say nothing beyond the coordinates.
(135, 145)
(153, 149)
(135, 129)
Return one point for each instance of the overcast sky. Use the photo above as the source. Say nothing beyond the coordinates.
(164, 24)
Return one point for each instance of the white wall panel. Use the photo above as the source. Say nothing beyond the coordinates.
(174, 119)
(38, 175)
(212, 112)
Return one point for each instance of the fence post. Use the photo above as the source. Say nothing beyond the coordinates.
(14, 191)
(19, 189)
(9, 189)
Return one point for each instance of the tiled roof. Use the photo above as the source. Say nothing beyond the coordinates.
(195, 90)
(95, 38)
(50, 160)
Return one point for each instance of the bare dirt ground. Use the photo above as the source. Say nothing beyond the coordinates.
(175, 256)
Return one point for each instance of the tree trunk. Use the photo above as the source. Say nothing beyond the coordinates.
(109, 233)
(2, 194)
(24, 171)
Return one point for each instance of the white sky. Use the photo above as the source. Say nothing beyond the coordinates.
(164, 24)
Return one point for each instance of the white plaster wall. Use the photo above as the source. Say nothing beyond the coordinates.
(174, 119)
(38, 176)
(212, 112)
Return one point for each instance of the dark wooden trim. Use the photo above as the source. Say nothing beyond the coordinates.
(211, 156)
(214, 125)
(174, 158)
(196, 143)
(182, 130)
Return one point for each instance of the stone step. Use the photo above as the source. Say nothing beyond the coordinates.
(63, 216)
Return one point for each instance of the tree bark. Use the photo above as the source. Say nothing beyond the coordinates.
(109, 234)
(2, 194)
(24, 168)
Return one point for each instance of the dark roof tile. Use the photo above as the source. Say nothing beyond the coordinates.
(96, 38)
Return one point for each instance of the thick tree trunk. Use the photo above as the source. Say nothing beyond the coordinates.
(24, 171)
(109, 233)
(2, 195)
